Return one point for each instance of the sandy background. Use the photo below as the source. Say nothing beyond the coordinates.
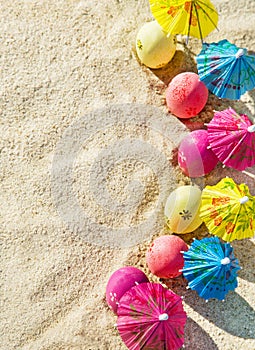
(60, 62)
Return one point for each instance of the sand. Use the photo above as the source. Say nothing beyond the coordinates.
(87, 161)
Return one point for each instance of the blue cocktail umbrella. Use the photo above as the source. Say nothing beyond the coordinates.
(227, 70)
(210, 268)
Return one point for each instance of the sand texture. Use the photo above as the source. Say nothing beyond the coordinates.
(87, 161)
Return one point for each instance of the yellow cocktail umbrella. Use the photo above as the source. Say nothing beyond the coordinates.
(195, 18)
(228, 210)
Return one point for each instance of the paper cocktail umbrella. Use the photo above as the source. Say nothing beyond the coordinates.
(232, 138)
(151, 317)
(227, 70)
(195, 18)
(210, 268)
(228, 210)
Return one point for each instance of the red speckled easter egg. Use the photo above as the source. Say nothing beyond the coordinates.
(164, 257)
(186, 95)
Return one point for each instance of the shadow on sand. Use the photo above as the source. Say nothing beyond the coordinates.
(234, 316)
(196, 337)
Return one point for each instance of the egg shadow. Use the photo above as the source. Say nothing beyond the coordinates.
(220, 172)
(234, 316)
(182, 61)
(197, 338)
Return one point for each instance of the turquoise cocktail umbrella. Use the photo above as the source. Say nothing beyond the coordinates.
(210, 268)
(227, 70)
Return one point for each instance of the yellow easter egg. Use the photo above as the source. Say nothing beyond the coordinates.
(153, 46)
(182, 209)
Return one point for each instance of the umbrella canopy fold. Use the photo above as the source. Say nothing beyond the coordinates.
(228, 210)
(227, 70)
(211, 268)
(195, 18)
(232, 138)
(151, 317)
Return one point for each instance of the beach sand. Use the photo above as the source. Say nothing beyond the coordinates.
(87, 161)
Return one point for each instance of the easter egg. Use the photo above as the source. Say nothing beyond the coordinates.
(182, 209)
(186, 95)
(164, 257)
(153, 46)
(194, 157)
(121, 281)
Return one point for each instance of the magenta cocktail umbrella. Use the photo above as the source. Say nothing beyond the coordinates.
(232, 138)
(151, 317)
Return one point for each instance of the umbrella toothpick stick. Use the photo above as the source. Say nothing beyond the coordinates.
(225, 261)
(244, 199)
(249, 174)
(240, 53)
(163, 284)
(251, 128)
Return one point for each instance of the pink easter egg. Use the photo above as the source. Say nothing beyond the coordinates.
(120, 282)
(186, 95)
(164, 257)
(194, 157)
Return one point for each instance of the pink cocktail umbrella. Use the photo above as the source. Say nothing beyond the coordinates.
(151, 317)
(232, 138)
